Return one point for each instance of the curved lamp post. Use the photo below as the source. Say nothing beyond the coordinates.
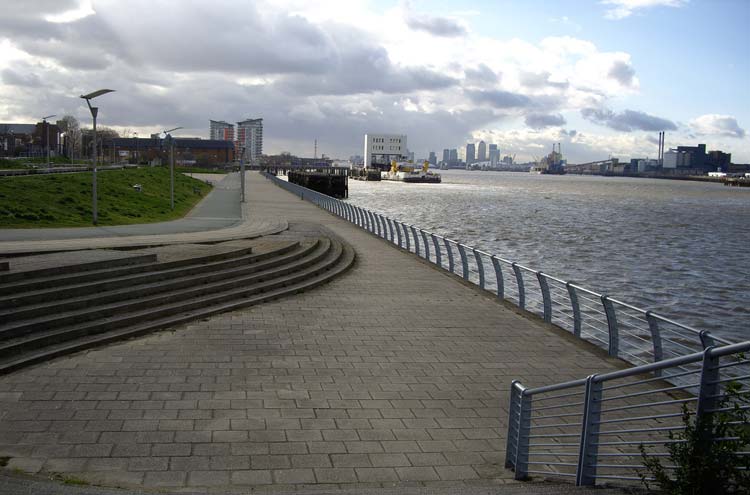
(171, 164)
(94, 112)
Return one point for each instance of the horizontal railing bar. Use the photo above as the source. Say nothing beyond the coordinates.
(558, 396)
(638, 418)
(557, 425)
(566, 415)
(572, 404)
(554, 473)
(551, 463)
(555, 435)
(649, 380)
(647, 392)
(634, 454)
(555, 454)
(560, 444)
(557, 386)
(629, 478)
(641, 430)
(650, 404)
(640, 442)
(730, 408)
(731, 379)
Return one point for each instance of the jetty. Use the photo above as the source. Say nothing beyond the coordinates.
(385, 373)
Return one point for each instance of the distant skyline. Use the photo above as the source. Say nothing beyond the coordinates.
(600, 76)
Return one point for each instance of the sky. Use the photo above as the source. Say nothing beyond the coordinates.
(601, 77)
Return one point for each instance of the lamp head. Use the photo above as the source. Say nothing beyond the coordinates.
(97, 93)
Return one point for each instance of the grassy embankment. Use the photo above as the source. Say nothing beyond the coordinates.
(64, 200)
(21, 163)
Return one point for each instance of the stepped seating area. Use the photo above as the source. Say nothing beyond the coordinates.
(48, 311)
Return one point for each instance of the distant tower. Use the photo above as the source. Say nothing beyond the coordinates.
(250, 138)
(470, 156)
(482, 152)
(432, 158)
(223, 131)
(494, 154)
(446, 155)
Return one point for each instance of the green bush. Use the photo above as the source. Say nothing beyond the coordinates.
(703, 465)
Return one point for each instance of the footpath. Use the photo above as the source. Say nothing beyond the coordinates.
(394, 376)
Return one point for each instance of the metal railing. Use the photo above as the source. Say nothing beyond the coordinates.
(592, 429)
(633, 334)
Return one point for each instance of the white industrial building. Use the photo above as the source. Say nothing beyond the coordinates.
(676, 159)
(381, 149)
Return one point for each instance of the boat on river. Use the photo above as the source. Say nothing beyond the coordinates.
(408, 172)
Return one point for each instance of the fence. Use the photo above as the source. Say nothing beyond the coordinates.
(592, 429)
(633, 334)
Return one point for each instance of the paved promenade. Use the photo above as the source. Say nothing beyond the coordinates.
(395, 374)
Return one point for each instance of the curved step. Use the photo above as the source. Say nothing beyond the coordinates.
(339, 259)
(13, 278)
(46, 287)
(16, 329)
(120, 289)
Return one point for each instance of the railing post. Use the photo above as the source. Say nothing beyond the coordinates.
(614, 336)
(416, 239)
(511, 441)
(464, 261)
(436, 245)
(370, 221)
(707, 340)
(406, 236)
(573, 295)
(426, 245)
(390, 228)
(398, 233)
(449, 251)
(653, 326)
(587, 455)
(524, 428)
(480, 267)
(498, 277)
(709, 389)
(378, 224)
(519, 284)
(546, 298)
(357, 218)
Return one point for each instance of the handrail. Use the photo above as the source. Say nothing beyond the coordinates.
(658, 409)
(626, 331)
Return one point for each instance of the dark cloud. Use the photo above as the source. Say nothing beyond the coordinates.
(718, 125)
(540, 120)
(622, 72)
(481, 75)
(13, 78)
(537, 80)
(498, 99)
(628, 120)
(436, 26)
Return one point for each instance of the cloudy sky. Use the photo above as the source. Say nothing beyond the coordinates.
(600, 76)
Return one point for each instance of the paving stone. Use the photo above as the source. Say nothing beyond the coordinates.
(208, 478)
(335, 475)
(376, 475)
(422, 473)
(158, 479)
(293, 476)
(148, 463)
(254, 477)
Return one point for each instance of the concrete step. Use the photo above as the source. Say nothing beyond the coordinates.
(47, 285)
(104, 312)
(22, 305)
(339, 257)
(4, 266)
(14, 279)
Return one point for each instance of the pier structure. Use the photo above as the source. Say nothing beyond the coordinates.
(393, 374)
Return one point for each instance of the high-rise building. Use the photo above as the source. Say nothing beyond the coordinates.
(482, 152)
(250, 139)
(446, 155)
(220, 130)
(470, 154)
(432, 158)
(453, 157)
(494, 154)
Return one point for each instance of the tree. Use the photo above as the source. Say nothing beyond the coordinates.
(73, 140)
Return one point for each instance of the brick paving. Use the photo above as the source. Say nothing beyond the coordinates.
(394, 374)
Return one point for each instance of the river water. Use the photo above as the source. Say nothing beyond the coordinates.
(679, 248)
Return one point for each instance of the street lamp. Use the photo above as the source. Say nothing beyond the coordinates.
(135, 134)
(46, 124)
(94, 112)
(171, 165)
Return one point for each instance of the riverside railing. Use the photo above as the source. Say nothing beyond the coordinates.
(594, 428)
(633, 334)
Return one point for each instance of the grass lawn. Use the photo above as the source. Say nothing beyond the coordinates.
(64, 200)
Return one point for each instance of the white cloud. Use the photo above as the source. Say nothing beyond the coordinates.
(621, 9)
(717, 125)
